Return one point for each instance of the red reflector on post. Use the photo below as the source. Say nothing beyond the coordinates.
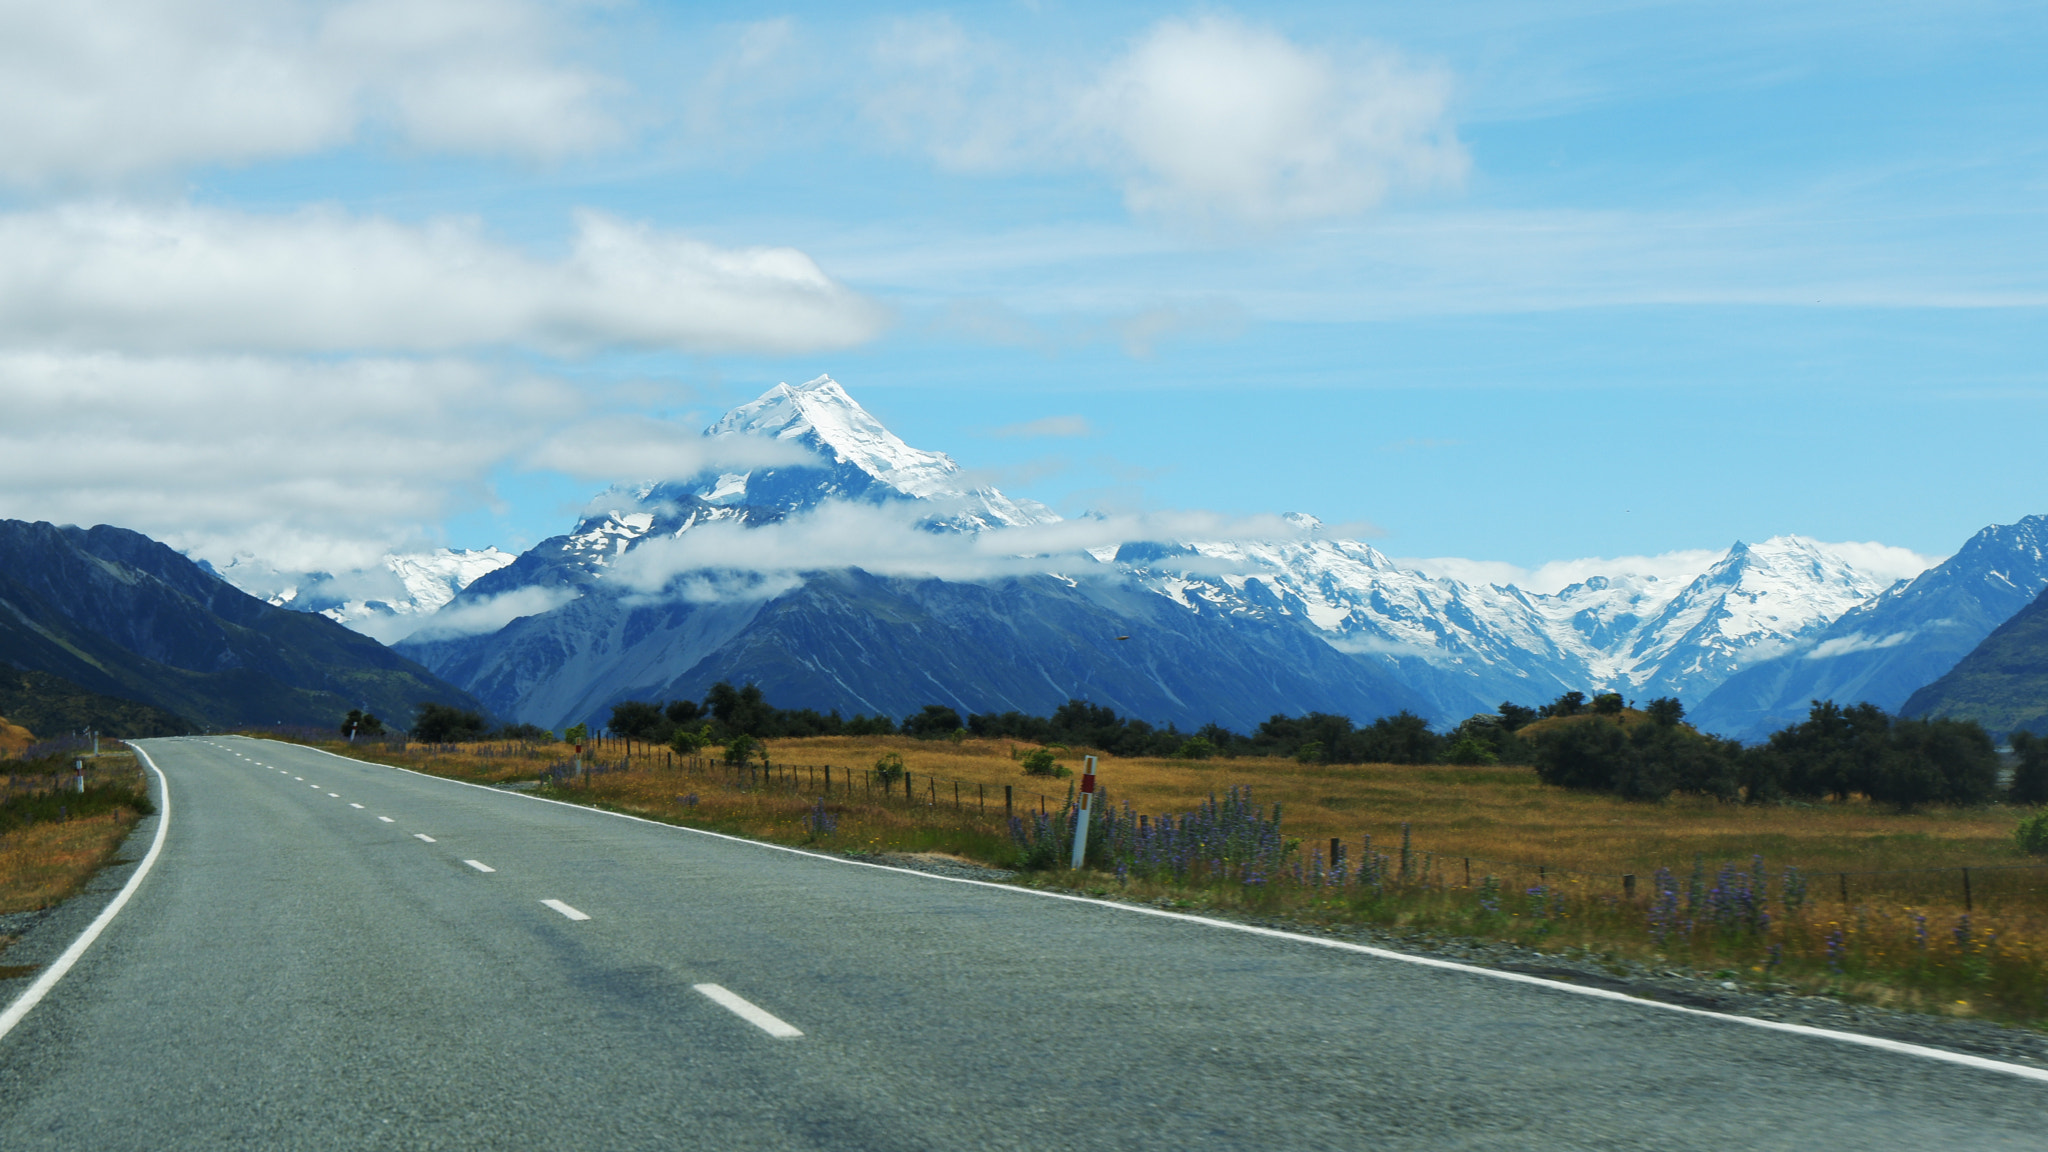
(1088, 782)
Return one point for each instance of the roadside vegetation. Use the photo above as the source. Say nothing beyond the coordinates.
(1936, 904)
(54, 837)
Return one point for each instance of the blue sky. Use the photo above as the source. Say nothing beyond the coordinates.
(1518, 283)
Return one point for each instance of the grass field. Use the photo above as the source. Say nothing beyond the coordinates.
(46, 860)
(1874, 905)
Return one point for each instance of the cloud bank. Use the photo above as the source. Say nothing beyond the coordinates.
(184, 279)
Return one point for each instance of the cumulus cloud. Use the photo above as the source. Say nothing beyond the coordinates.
(307, 464)
(1209, 119)
(1218, 118)
(726, 560)
(108, 275)
(104, 89)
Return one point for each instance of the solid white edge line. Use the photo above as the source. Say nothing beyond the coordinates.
(739, 1006)
(1898, 1047)
(34, 993)
(479, 865)
(565, 910)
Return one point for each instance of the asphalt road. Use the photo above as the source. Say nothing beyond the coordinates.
(315, 963)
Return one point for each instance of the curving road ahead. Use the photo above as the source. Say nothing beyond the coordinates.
(332, 954)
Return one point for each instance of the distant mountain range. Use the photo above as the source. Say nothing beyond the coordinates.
(650, 595)
(118, 614)
(1887, 648)
(387, 601)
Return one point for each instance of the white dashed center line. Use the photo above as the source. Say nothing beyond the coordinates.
(738, 1006)
(565, 910)
(336, 795)
(424, 836)
(300, 779)
(353, 804)
(385, 819)
(479, 865)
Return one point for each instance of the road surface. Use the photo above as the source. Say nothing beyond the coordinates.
(336, 955)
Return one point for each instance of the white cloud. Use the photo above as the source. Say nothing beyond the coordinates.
(1209, 119)
(104, 89)
(308, 465)
(723, 559)
(114, 276)
(1556, 575)
(1220, 119)
(470, 617)
(612, 448)
(1856, 642)
(1887, 562)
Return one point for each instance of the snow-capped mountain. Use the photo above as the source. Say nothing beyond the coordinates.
(1639, 635)
(559, 633)
(380, 601)
(1886, 648)
(856, 459)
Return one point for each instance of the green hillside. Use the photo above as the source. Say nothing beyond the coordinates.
(51, 706)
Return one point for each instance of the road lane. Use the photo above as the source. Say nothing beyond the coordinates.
(301, 973)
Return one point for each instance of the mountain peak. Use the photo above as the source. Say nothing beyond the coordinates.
(822, 416)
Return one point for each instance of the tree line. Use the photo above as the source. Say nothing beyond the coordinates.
(1595, 743)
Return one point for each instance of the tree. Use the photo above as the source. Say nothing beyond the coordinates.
(1403, 738)
(1591, 755)
(361, 723)
(2030, 775)
(1569, 704)
(889, 768)
(1665, 711)
(445, 724)
(576, 733)
(1195, 748)
(1514, 717)
(1608, 704)
(739, 710)
(638, 720)
(743, 750)
(682, 711)
(934, 722)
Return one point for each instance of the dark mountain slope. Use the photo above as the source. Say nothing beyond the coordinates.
(51, 706)
(856, 642)
(2003, 683)
(120, 614)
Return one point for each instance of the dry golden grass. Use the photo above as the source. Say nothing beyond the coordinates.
(1899, 939)
(13, 738)
(44, 863)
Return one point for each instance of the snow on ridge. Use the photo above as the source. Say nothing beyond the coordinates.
(820, 413)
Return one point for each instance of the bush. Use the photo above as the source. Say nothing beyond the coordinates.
(686, 741)
(741, 751)
(2032, 834)
(1195, 748)
(889, 769)
(446, 724)
(1040, 762)
(1471, 751)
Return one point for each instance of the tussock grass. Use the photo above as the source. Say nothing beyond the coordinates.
(43, 863)
(1545, 863)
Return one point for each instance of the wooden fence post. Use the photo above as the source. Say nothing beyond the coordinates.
(1009, 804)
(1628, 886)
(1967, 905)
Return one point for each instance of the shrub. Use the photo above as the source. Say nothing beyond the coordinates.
(1310, 753)
(1470, 750)
(2032, 834)
(446, 724)
(1195, 748)
(688, 740)
(742, 750)
(1040, 762)
(889, 769)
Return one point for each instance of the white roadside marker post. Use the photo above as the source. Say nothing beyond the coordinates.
(1081, 814)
